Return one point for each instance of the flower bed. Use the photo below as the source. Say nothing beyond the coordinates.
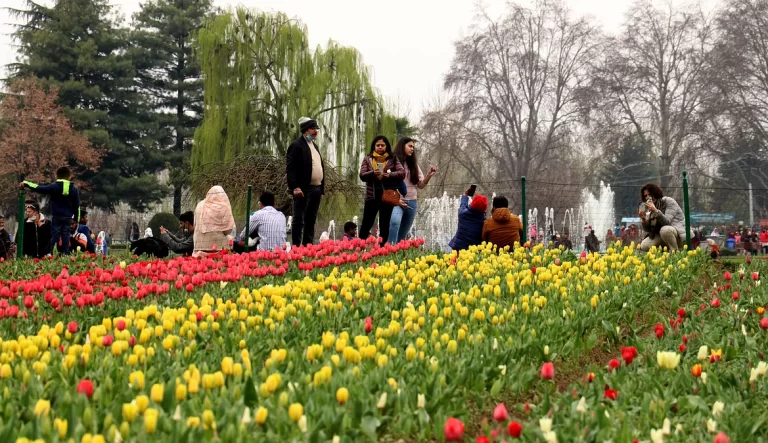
(345, 350)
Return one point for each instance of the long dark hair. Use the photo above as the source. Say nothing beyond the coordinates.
(409, 162)
(386, 142)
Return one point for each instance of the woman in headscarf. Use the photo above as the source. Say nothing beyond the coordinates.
(213, 222)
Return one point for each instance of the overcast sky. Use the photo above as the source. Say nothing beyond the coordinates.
(407, 43)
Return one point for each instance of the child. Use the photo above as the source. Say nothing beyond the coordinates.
(713, 249)
(65, 204)
(350, 230)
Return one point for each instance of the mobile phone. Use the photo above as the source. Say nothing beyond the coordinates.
(472, 189)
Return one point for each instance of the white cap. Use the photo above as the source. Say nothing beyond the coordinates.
(303, 120)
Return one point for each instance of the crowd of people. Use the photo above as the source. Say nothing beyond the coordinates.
(392, 178)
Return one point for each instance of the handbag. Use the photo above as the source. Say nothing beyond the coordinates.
(391, 197)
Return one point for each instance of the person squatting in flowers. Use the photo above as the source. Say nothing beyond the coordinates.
(213, 222)
(185, 244)
(266, 230)
(36, 242)
(65, 205)
(471, 221)
(381, 171)
(503, 228)
(662, 219)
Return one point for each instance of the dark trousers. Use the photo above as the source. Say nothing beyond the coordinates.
(60, 230)
(304, 216)
(370, 210)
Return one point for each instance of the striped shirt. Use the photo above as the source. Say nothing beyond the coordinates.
(269, 225)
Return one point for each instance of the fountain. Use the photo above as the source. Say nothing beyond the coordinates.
(437, 219)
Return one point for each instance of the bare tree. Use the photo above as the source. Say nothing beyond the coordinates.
(516, 85)
(655, 78)
(743, 62)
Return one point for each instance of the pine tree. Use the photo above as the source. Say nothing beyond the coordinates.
(77, 47)
(164, 36)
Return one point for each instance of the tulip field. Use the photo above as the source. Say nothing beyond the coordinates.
(352, 342)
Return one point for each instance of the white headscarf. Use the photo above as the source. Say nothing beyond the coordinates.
(216, 212)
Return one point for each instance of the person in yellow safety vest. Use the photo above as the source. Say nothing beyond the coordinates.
(65, 205)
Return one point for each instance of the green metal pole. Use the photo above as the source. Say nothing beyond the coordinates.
(20, 216)
(687, 210)
(248, 219)
(525, 214)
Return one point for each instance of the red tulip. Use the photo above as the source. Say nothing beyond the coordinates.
(727, 276)
(610, 394)
(659, 328)
(453, 430)
(85, 387)
(107, 340)
(515, 429)
(120, 324)
(29, 301)
(533, 270)
(482, 439)
(721, 437)
(715, 303)
(72, 327)
(685, 339)
(681, 312)
(682, 348)
(764, 323)
(613, 364)
(755, 276)
(500, 413)
(548, 371)
(735, 295)
(628, 354)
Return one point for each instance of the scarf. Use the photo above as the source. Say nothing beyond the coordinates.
(216, 212)
(654, 221)
(379, 160)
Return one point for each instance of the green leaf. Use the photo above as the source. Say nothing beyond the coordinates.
(249, 396)
(369, 425)
(424, 417)
(496, 388)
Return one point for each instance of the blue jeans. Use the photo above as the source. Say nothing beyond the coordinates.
(60, 229)
(402, 221)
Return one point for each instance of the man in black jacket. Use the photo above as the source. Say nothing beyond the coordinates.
(306, 182)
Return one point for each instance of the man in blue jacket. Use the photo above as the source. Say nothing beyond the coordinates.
(65, 205)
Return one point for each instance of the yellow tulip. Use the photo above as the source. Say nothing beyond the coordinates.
(150, 420)
(342, 395)
(295, 411)
(130, 411)
(261, 415)
(156, 393)
(142, 402)
(42, 407)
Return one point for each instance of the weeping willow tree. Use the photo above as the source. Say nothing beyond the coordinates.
(260, 76)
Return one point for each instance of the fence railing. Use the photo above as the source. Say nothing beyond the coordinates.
(546, 209)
